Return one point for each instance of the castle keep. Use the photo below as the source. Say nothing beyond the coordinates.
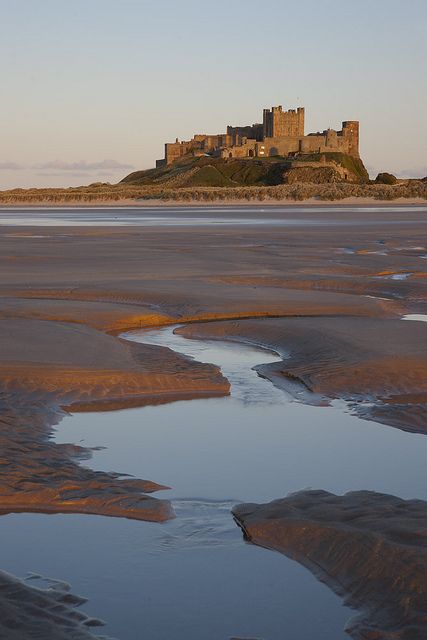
(280, 134)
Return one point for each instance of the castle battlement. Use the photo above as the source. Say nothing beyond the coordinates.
(281, 133)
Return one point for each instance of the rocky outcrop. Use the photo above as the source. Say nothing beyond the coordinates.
(313, 175)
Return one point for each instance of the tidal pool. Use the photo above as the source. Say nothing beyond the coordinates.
(202, 216)
(416, 317)
(194, 577)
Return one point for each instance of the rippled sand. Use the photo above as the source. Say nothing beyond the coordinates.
(324, 288)
(370, 548)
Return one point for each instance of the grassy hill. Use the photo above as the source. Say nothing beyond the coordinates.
(211, 172)
(218, 180)
(234, 172)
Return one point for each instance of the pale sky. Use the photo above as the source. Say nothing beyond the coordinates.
(91, 89)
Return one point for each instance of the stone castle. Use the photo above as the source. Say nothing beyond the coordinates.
(280, 134)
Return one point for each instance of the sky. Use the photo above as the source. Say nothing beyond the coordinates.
(91, 89)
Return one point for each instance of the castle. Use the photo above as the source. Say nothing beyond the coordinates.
(280, 134)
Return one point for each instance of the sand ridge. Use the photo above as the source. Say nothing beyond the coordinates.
(48, 365)
(39, 475)
(29, 611)
(370, 548)
(376, 365)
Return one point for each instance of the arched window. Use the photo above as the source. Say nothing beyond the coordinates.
(251, 153)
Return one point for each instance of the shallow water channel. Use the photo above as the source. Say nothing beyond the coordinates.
(194, 577)
(199, 216)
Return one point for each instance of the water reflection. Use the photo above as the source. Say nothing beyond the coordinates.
(200, 216)
(237, 362)
(417, 317)
(256, 445)
(172, 581)
(194, 577)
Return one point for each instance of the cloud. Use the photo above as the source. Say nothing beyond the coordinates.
(79, 169)
(414, 172)
(83, 167)
(60, 174)
(10, 166)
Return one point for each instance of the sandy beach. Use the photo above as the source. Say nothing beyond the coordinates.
(324, 287)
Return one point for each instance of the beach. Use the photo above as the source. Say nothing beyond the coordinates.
(323, 287)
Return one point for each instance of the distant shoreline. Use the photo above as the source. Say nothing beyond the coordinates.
(155, 202)
(170, 193)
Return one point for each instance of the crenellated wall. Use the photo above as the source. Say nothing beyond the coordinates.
(281, 134)
(278, 123)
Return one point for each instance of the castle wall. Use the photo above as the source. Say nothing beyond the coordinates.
(313, 143)
(210, 143)
(176, 150)
(344, 141)
(247, 149)
(282, 134)
(279, 146)
(254, 131)
(199, 142)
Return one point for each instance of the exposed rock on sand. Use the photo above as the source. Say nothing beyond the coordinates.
(378, 366)
(28, 612)
(370, 548)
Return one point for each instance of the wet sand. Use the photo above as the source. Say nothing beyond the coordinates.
(375, 365)
(338, 280)
(370, 548)
(47, 366)
(29, 610)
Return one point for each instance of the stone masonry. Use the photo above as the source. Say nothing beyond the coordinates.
(280, 134)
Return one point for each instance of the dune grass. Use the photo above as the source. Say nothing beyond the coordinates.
(105, 193)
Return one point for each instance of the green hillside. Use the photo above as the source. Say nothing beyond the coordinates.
(219, 172)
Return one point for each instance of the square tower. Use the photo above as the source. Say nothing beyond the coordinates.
(283, 124)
